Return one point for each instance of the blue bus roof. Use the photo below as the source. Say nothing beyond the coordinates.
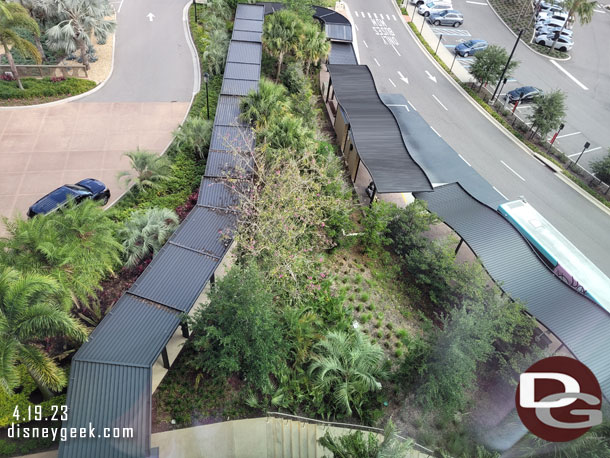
(558, 249)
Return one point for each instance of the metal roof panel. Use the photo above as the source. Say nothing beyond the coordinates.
(242, 35)
(236, 70)
(227, 111)
(219, 193)
(238, 87)
(256, 12)
(246, 25)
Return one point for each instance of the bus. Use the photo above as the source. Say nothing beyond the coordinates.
(561, 256)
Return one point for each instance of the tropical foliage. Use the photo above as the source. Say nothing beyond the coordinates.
(78, 22)
(13, 17)
(281, 34)
(346, 367)
(549, 112)
(194, 135)
(149, 168)
(31, 308)
(601, 168)
(489, 63)
(145, 233)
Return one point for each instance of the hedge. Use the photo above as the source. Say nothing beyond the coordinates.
(45, 87)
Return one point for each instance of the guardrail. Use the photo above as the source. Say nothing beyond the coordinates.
(40, 71)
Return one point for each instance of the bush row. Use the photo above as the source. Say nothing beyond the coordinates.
(45, 87)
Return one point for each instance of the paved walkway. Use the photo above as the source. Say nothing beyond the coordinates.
(142, 103)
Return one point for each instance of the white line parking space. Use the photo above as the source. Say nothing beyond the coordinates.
(586, 151)
(569, 75)
(446, 31)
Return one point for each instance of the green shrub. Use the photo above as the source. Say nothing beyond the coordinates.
(375, 225)
(378, 324)
(364, 297)
(294, 79)
(35, 88)
(194, 135)
(390, 326)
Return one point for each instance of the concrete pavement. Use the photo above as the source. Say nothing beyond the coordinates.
(145, 99)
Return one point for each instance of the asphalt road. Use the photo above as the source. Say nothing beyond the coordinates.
(390, 51)
(587, 86)
(152, 61)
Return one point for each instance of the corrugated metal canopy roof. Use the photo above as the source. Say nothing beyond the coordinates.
(246, 25)
(582, 325)
(218, 193)
(108, 396)
(238, 87)
(175, 277)
(236, 70)
(232, 138)
(227, 111)
(342, 53)
(255, 12)
(441, 162)
(329, 16)
(227, 164)
(375, 132)
(207, 230)
(244, 52)
(118, 340)
(341, 32)
(242, 35)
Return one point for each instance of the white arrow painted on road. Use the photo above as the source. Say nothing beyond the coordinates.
(150, 16)
(404, 78)
(433, 78)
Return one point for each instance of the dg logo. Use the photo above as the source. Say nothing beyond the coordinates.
(559, 399)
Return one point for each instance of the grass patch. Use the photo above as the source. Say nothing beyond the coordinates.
(42, 89)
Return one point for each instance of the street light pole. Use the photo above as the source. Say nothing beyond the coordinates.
(500, 91)
(438, 44)
(507, 63)
(583, 152)
(195, 4)
(206, 78)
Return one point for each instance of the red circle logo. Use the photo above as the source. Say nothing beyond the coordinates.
(559, 399)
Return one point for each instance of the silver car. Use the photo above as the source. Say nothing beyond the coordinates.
(448, 17)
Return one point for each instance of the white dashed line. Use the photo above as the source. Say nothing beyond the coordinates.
(356, 13)
(498, 191)
(356, 27)
(392, 82)
(435, 131)
(362, 13)
(365, 43)
(476, 3)
(394, 47)
(569, 75)
(586, 151)
(376, 61)
(375, 14)
(388, 16)
(414, 109)
(462, 157)
(368, 14)
(394, 17)
(509, 168)
(440, 103)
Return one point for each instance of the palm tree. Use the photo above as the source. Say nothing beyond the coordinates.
(258, 107)
(150, 169)
(194, 135)
(281, 34)
(14, 16)
(315, 46)
(36, 10)
(146, 232)
(31, 310)
(347, 366)
(215, 55)
(78, 21)
(75, 246)
(289, 132)
(581, 8)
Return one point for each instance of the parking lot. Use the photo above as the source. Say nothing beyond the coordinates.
(480, 22)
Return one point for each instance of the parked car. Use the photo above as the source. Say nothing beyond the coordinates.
(417, 2)
(525, 94)
(434, 7)
(555, 7)
(550, 22)
(563, 43)
(546, 30)
(448, 17)
(89, 188)
(548, 15)
(470, 47)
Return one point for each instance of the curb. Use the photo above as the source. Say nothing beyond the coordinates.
(503, 129)
(526, 42)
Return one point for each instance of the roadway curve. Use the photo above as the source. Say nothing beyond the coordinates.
(148, 95)
(481, 143)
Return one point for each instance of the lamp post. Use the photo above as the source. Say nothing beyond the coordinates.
(561, 126)
(206, 79)
(438, 44)
(500, 91)
(507, 63)
(583, 152)
(195, 4)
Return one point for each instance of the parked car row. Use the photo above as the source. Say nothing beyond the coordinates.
(551, 26)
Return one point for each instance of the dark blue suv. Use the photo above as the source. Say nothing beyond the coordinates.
(89, 188)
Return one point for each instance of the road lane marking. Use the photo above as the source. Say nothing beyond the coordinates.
(435, 131)
(498, 191)
(403, 77)
(440, 103)
(356, 13)
(586, 151)
(388, 16)
(398, 105)
(365, 43)
(376, 61)
(375, 14)
(394, 17)
(433, 78)
(362, 13)
(509, 168)
(462, 157)
(369, 14)
(356, 27)
(568, 135)
(569, 75)
(392, 82)
(476, 3)
(394, 47)
(414, 109)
